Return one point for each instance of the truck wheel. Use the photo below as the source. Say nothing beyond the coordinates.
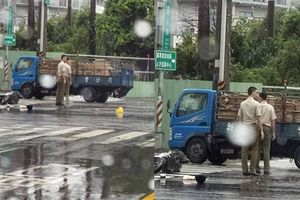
(27, 91)
(297, 157)
(216, 159)
(102, 98)
(196, 150)
(89, 94)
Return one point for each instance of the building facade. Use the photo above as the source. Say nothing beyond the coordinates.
(55, 8)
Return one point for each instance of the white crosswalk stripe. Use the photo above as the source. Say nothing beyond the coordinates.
(23, 132)
(148, 143)
(52, 133)
(92, 133)
(14, 135)
(123, 137)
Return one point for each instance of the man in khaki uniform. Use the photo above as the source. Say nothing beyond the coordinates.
(68, 75)
(268, 117)
(61, 80)
(249, 113)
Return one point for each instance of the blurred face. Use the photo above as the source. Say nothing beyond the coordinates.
(255, 94)
(65, 59)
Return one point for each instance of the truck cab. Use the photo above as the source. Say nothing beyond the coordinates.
(191, 123)
(25, 75)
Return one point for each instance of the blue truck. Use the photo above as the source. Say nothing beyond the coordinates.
(199, 127)
(94, 84)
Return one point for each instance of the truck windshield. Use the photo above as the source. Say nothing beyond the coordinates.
(191, 103)
(24, 64)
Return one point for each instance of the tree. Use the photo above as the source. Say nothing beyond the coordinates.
(115, 28)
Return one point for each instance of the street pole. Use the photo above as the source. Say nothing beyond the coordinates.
(42, 25)
(223, 40)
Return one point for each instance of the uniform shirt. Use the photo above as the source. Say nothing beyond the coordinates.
(267, 113)
(249, 111)
(68, 70)
(61, 69)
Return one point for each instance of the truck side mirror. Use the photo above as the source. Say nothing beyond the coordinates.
(168, 107)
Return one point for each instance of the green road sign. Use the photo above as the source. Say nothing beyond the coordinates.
(165, 60)
(10, 20)
(47, 2)
(167, 25)
(9, 40)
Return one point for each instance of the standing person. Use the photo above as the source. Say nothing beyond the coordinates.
(68, 75)
(61, 80)
(268, 117)
(249, 113)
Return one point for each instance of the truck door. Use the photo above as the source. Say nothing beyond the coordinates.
(193, 115)
(24, 72)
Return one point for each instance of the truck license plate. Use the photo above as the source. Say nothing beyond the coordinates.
(227, 151)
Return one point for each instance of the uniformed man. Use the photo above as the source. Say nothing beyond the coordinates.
(249, 113)
(61, 80)
(268, 117)
(68, 75)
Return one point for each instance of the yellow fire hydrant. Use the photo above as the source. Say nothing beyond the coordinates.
(120, 112)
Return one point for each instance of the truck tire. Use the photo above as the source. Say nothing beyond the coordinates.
(89, 94)
(39, 95)
(102, 98)
(297, 157)
(27, 91)
(196, 150)
(216, 158)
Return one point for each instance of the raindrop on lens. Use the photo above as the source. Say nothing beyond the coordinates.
(126, 163)
(142, 28)
(5, 162)
(151, 184)
(47, 81)
(108, 160)
(146, 164)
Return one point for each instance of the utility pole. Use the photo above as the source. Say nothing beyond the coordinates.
(271, 18)
(42, 31)
(203, 36)
(69, 15)
(223, 40)
(92, 33)
(228, 45)
(31, 32)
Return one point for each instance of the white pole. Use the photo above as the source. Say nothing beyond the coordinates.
(223, 40)
(42, 25)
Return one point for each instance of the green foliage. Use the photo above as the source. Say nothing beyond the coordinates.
(115, 28)
(69, 39)
(259, 58)
(186, 56)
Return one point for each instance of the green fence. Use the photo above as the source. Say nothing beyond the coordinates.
(13, 56)
(142, 89)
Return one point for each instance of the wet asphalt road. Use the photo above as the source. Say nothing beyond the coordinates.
(226, 182)
(79, 151)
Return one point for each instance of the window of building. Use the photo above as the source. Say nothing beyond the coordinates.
(282, 2)
(246, 14)
(62, 3)
(100, 3)
(75, 3)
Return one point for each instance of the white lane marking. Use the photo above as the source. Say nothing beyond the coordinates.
(126, 136)
(8, 150)
(3, 130)
(53, 133)
(92, 133)
(23, 132)
(148, 143)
